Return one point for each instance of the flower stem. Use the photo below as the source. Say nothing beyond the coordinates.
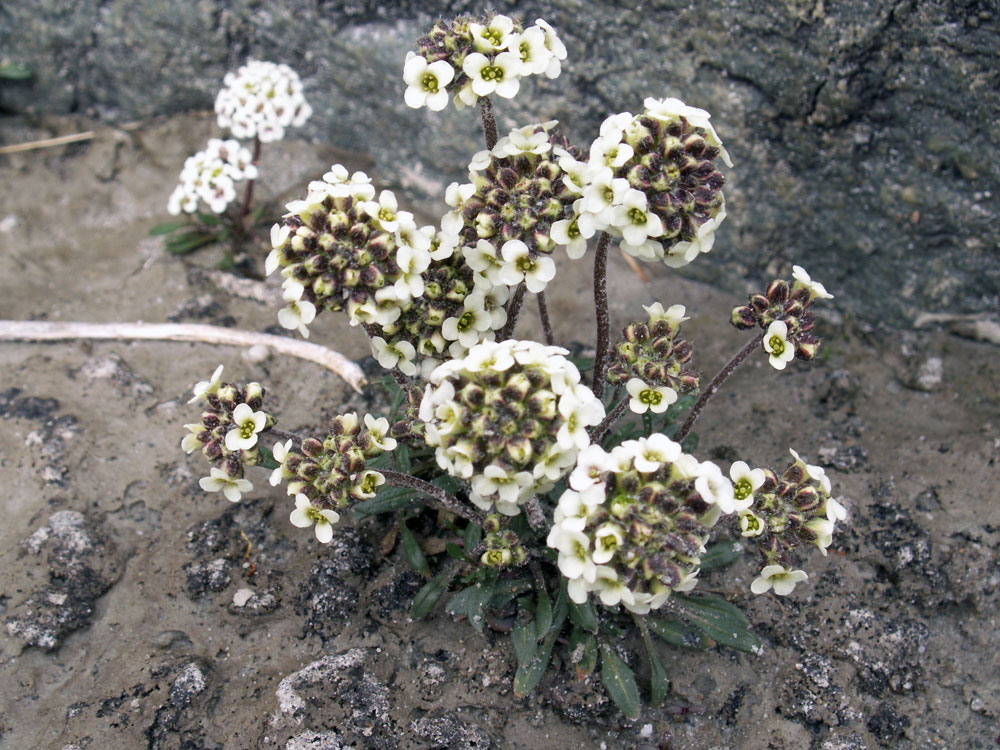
(603, 319)
(442, 499)
(597, 433)
(717, 381)
(513, 308)
(248, 196)
(543, 313)
(280, 434)
(489, 122)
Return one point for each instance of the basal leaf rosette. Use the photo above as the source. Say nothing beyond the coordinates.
(654, 183)
(342, 249)
(458, 309)
(509, 417)
(469, 58)
(260, 100)
(519, 206)
(634, 522)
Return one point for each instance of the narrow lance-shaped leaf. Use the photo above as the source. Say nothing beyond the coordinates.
(721, 554)
(428, 596)
(619, 680)
(529, 675)
(411, 550)
(721, 621)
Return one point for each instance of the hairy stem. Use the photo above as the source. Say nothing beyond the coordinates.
(442, 499)
(603, 320)
(489, 122)
(543, 313)
(717, 381)
(513, 308)
(597, 433)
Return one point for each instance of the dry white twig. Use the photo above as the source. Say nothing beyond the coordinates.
(42, 330)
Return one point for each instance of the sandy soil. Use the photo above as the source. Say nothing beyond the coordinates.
(127, 578)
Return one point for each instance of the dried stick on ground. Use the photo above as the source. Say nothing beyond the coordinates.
(35, 330)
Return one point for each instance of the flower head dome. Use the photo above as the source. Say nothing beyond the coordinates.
(210, 176)
(260, 100)
(634, 522)
(341, 249)
(510, 417)
(654, 181)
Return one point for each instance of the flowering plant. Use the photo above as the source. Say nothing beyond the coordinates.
(258, 102)
(576, 522)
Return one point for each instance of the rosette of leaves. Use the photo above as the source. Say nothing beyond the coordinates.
(510, 417)
(342, 247)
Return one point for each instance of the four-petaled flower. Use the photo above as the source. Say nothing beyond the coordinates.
(207, 387)
(499, 75)
(299, 313)
(306, 514)
(746, 481)
(778, 577)
(426, 82)
(232, 487)
(816, 290)
(246, 424)
(777, 345)
(649, 398)
(520, 266)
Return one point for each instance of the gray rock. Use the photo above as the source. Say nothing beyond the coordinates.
(444, 729)
(82, 565)
(863, 132)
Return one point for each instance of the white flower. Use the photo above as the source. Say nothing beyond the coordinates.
(426, 83)
(232, 487)
(816, 290)
(509, 486)
(494, 36)
(605, 190)
(568, 232)
(299, 312)
(823, 529)
(366, 485)
(835, 511)
(649, 398)
(579, 414)
(674, 315)
(385, 211)
(499, 75)
(520, 266)
(669, 109)
(401, 355)
(306, 514)
(378, 431)
(535, 55)
(817, 473)
(778, 577)
(246, 424)
(574, 553)
(207, 387)
(652, 452)
(555, 46)
(745, 483)
(714, 487)
(190, 442)
(609, 152)
(280, 452)
(777, 345)
(608, 538)
(261, 99)
(751, 524)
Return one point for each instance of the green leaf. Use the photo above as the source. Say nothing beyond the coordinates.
(583, 646)
(387, 501)
(471, 537)
(402, 457)
(507, 589)
(266, 459)
(529, 674)
(412, 552)
(459, 603)
(583, 616)
(447, 483)
(428, 596)
(456, 552)
(477, 603)
(13, 71)
(619, 681)
(583, 364)
(188, 243)
(720, 621)
(720, 555)
(659, 680)
(678, 634)
(525, 642)
(210, 220)
(543, 613)
(158, 230)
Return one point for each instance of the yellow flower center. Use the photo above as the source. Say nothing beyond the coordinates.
(777, 345)
(492, 73)
(637, 216)
(430, 83)
(743, 489)
(651, 397)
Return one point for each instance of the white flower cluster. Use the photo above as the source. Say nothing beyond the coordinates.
(650, 180)
(634, 522)
(510, 417)
(260, 100)
(484, 59)
(211, 176)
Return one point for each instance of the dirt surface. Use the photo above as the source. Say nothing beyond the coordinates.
(141, 612)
